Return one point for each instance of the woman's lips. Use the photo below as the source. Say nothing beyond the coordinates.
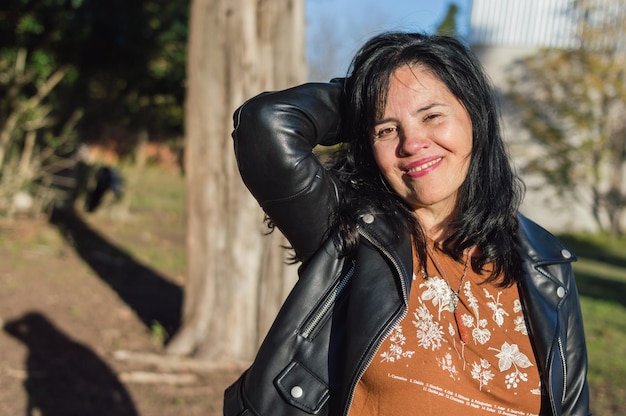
(422, 167)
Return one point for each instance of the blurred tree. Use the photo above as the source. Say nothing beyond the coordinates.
(573, 101)
(27, 169)
(125, 60)
(74, 70)
(237, 276)
(448, 24)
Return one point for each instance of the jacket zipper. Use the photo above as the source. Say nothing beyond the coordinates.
(562, 357)
(389, 328)
(312, 324)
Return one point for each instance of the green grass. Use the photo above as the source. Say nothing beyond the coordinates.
(153, 229)
(156, 189)
(601, 279)
(161, 194)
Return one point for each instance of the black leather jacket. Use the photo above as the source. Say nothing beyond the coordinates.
(336, 337)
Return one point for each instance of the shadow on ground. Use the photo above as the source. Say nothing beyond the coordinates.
(598, 285)
(65, 377)
(149, 294)
(583, 247)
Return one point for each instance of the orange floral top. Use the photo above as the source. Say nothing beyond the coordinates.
(424, 367)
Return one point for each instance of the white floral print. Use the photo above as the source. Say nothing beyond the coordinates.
(440, 293)
(510, 355)
(429, 332)
(396, 352)
(494, 304)
(451, 330)
(484, 310)
(447, 364)
(480, 333)
(520, 325)
(519, 321)
(473, 302)
(468, 320)
(482, 373)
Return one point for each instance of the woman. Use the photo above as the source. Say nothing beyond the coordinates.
(422, 290)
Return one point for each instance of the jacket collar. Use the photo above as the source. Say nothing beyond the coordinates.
(538, 247)
(394, 244)
(541, 247)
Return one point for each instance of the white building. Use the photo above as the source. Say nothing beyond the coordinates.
(502, 31)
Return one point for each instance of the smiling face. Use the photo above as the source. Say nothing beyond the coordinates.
(422, 143)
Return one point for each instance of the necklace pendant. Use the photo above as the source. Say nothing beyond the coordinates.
(460, 326)
(454, 300)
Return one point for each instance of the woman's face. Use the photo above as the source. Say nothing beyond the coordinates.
(422, 142)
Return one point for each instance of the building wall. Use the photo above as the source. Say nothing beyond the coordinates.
(533, 23)
(541, 203)
(501, 32)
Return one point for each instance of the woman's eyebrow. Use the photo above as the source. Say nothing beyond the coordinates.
(429, 106)
(418, 111)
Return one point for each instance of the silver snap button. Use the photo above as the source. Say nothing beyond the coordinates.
(560, 292)
(566, 253)
(296, 392)
(368, 218)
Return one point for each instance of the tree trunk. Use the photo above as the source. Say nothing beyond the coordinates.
(616, 196)
(237, 275)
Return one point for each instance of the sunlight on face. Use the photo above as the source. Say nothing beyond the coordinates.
(423, 141)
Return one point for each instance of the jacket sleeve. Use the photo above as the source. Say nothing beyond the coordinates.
(576, 398)
(274, 137)
(555, 322)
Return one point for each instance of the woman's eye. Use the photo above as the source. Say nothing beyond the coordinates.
(431, 116)
(385, 133)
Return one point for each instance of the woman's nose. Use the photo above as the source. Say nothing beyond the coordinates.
(411, 141)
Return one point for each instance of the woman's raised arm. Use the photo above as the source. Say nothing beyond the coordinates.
(274, 137)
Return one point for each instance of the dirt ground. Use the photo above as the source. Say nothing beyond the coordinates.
(71, 303)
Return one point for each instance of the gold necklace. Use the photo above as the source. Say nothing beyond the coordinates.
(454, 296)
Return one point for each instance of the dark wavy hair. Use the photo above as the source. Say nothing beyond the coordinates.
(489, 197)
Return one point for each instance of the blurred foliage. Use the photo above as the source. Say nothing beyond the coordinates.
(74, 71)
(127, 59)
(448, 24)
(573, 101)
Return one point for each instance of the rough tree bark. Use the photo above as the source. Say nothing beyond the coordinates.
(237, 276)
